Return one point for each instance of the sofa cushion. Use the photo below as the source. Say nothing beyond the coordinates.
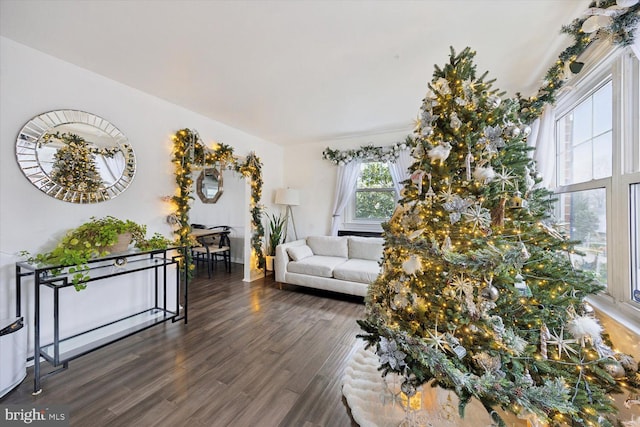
(329, 246)
(357, 270)
(316, 265)
(366, 248)
(298, 253)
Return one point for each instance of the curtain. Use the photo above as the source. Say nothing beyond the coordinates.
(399, 169)
(542, 138)
(345, 188)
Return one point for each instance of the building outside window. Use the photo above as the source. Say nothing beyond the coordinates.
(597, 174)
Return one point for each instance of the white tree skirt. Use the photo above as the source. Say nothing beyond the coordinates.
(377, 402)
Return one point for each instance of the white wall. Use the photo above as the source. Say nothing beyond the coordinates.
(316, 178)
(230, 209)
(31, 83)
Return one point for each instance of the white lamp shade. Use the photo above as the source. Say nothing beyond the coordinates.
(287, 196)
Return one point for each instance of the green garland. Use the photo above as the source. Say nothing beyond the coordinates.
(621, 30)
(188, 150)
(368, 152)
(252, 168)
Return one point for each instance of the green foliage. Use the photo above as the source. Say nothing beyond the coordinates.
(470, 232)
(585, 220)
(91, 240)
(376, 205)
(188, 149)
(277, 229)
(374, 175)
(621, 31)
(375, 197)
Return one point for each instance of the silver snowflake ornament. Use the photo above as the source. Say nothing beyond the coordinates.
(478, 216)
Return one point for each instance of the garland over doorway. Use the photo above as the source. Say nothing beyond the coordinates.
(189, 152)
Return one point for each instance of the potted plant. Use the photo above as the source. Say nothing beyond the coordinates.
(95, 238)
(277, 228)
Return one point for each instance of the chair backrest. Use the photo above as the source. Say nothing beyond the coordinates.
(224, 239)
(208, 240)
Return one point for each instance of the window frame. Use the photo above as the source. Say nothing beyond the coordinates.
(622, 66)
(356, 224)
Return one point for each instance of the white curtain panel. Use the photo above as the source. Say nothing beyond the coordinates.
(399, 169)
(543, 140)
(345, 188)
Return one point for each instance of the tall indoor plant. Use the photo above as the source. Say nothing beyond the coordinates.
(277, 228)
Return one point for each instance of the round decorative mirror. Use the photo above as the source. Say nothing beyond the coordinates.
(75, 156)
(209, 185)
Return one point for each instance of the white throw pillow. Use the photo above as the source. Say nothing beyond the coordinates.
(369, 248)
(297, 253)
(329, 246)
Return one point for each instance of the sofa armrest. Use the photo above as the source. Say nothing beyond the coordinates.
(282, 258)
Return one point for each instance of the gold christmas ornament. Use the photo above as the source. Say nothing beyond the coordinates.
(517, 202)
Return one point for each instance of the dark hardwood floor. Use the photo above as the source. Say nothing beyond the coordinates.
(252, 354)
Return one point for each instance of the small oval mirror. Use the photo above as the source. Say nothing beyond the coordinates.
(209, 185)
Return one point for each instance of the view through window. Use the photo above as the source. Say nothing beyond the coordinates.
(584, 155)
(375, 196)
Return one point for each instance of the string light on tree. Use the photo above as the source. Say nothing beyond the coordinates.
(471, 240)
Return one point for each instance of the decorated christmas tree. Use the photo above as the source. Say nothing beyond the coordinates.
(74, 166)
(478, 293)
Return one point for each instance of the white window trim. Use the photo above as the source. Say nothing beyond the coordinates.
(623, 67)
(351, 223)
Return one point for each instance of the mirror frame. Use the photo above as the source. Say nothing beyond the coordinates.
(32, 136)
(217, 171)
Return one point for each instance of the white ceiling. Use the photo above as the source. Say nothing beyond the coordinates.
(295, 71)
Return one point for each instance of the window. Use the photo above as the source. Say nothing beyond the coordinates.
(583, 154)
(375, 196)
(583, 215)
(635, 242)
(598, 175)
(584, 139)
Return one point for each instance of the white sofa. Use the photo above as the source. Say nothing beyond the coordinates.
(346, 264)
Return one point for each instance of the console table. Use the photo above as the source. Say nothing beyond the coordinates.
(63, 349)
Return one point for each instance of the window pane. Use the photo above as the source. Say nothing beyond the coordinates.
(602, 109)
(584, 216)
(374, 175)
(635, 242)
(375, 196)
(582, 162)
(582, 122)
(602, 161)
(583, 135)
(375, 204)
